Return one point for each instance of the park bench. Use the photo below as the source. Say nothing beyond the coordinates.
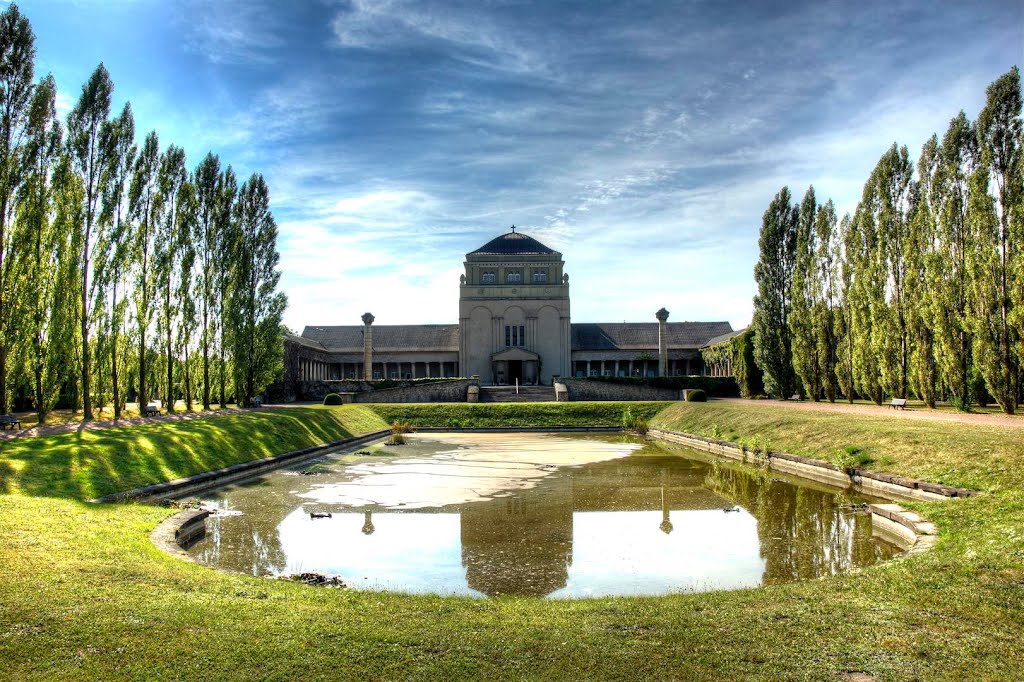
(898, 404)
(151, 410)
(9, 421)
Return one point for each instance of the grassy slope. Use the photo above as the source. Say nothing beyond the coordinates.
(517, 414)
(89, 464)
(979, 457)
(83, 594)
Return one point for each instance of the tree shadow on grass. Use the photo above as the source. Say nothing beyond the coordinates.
(92, 463)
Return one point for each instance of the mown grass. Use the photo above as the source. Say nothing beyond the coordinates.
(84, 595)
(87, 464)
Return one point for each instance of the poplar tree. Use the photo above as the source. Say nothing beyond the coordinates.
(921, 281)
(998, 271)
(774, 275)
(844, 266)
(207, 179)
(84, 123)
(171, 177)
(40, 239)
(227, 191)
(894, 192)
(824, 317)
(17, 69)
(255, 307)
(866, 298)
(142, 208)
(949, 305)
(804, 297)
(186, 290)
(117, 137)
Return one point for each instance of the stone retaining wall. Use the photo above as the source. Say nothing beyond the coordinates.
(583, 389)
(453, 391)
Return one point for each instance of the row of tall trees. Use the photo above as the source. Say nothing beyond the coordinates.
(921, 290)
(122, 271)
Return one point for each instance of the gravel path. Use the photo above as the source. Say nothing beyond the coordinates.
(913, 412)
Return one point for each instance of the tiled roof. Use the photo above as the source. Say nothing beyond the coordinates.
(635, 335)
(302, 341)
(441, 337)
(513, 243)
(723, 337)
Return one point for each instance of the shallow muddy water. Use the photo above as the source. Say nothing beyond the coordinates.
(536, 514)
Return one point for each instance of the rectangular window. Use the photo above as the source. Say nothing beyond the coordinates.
(515, 335)
(488, 278)
(540, 277)
(514, 277)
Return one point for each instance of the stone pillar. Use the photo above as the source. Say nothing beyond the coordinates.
(662, 316)
(367, 347)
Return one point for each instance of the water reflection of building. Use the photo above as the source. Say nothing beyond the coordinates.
(522, 544)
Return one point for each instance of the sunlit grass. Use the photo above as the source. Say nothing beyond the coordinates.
(87, 464)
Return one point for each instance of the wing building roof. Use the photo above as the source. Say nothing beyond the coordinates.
(387, 337)
(632, 335)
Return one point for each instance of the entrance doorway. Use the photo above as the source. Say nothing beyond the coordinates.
(515, 371)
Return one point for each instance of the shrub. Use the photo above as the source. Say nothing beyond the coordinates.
(850, 458)
(332, 399)
(399, 426)
(632, 422)
(696, 396)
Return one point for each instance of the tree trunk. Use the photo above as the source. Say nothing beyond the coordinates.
(86, 401)
(143, 397)
(170, 356)
(113, 361)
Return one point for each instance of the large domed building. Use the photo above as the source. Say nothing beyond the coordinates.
(514, 327)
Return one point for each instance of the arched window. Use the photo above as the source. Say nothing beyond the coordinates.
(540, 277)
(514, 277)
(488, 278)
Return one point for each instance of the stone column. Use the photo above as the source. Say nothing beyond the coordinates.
(367, 347)
(662, 316)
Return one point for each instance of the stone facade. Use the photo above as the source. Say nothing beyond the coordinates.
(584, 389)
(514, 312)
(514, 327)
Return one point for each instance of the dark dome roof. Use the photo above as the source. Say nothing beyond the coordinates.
(512, 243)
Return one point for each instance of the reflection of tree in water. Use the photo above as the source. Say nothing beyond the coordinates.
(519, 545)
(802, 531)
(247, 543)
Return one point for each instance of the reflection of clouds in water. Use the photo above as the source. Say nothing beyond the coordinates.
(498, 463)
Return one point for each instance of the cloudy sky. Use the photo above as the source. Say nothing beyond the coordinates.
(642, 139)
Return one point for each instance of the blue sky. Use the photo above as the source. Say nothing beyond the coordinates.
(643, 140)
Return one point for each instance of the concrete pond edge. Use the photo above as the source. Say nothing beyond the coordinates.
(912, 532)
(217, 477)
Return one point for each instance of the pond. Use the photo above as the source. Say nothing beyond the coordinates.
(552, 515)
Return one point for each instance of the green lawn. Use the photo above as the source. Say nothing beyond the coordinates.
(84, 595)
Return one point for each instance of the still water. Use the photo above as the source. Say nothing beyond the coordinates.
(536, 514)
